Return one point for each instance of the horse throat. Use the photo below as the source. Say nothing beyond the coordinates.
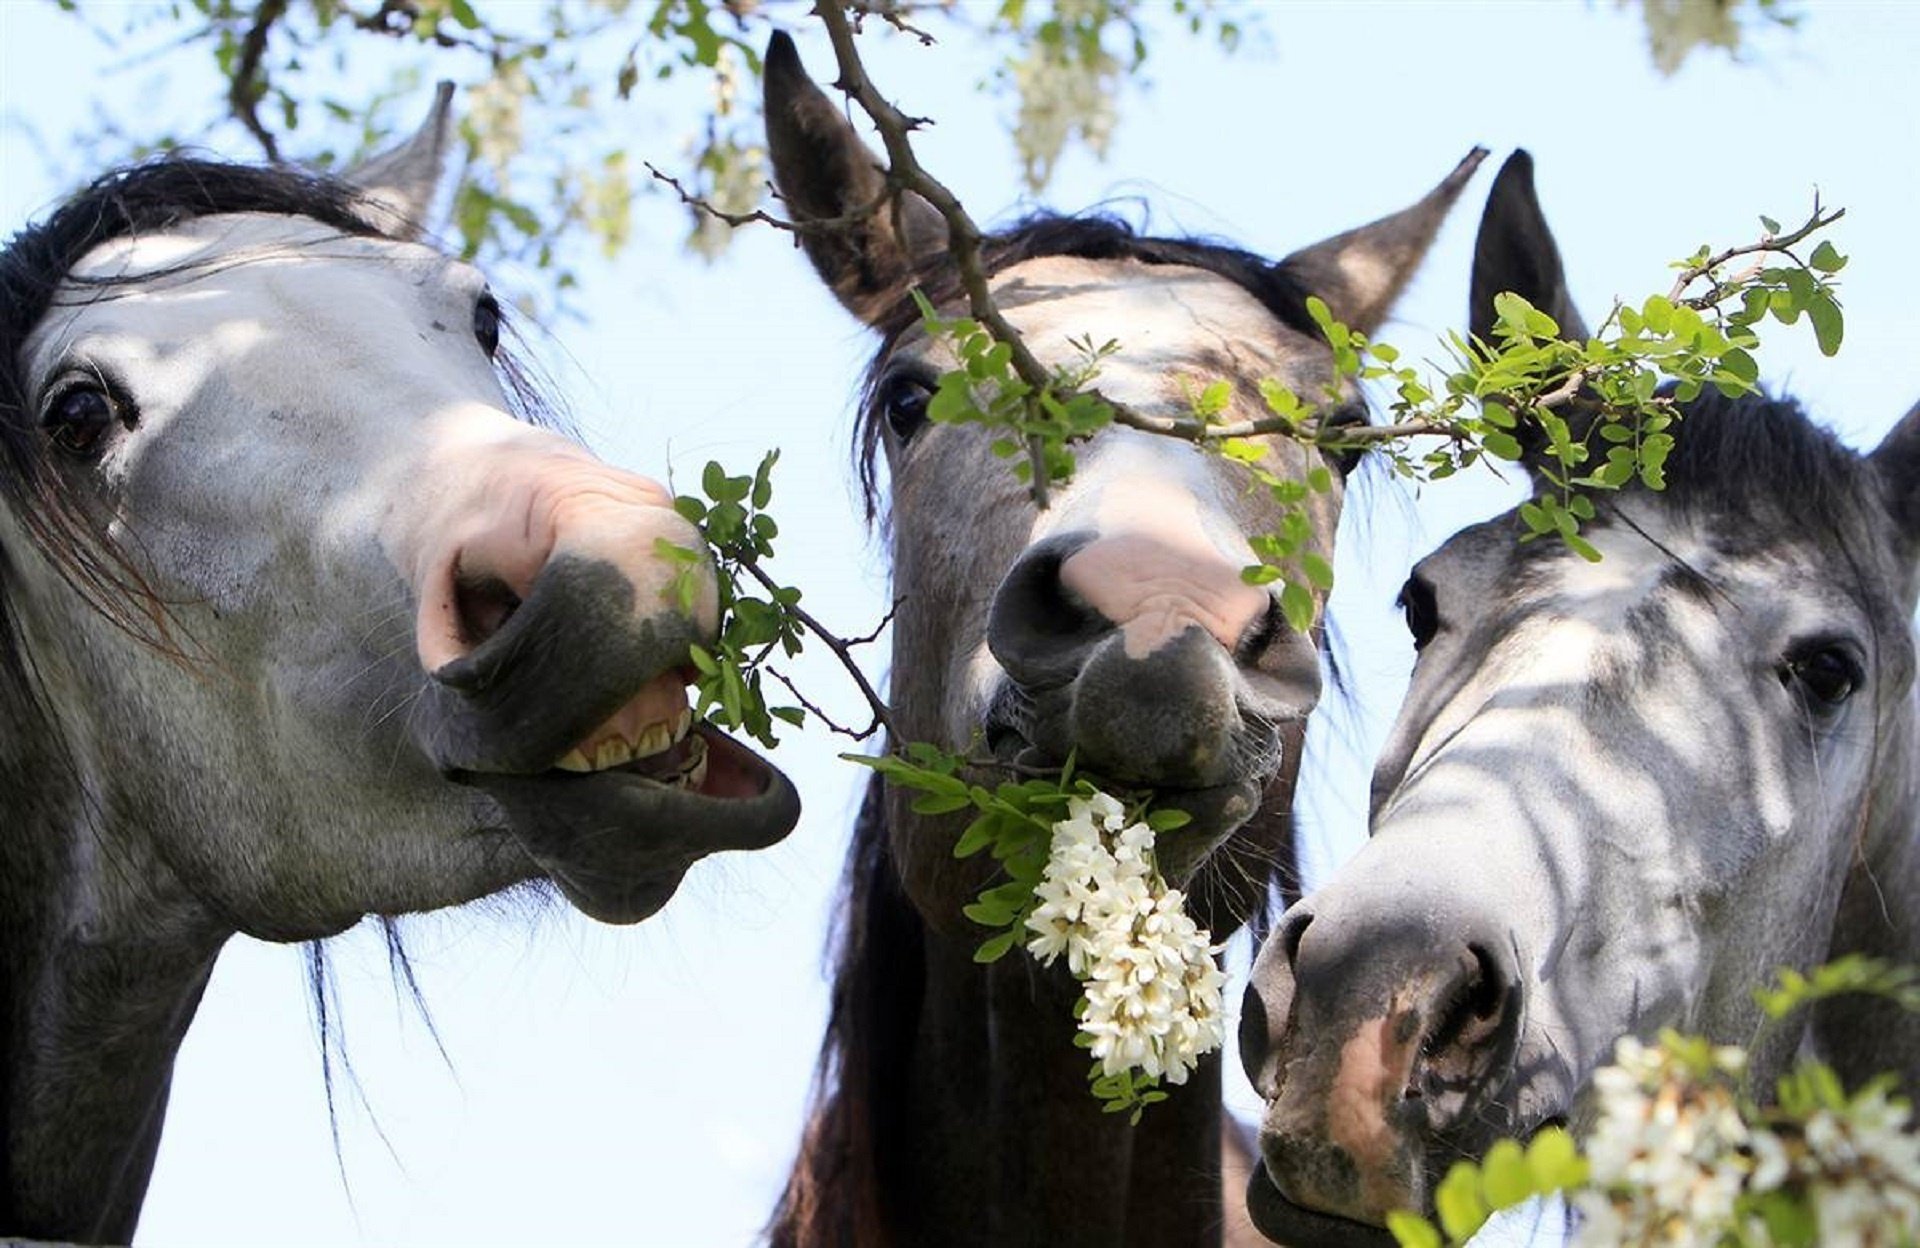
(954, 1107)
(102, 964)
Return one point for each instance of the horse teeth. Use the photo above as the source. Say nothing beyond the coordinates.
(697, 774)
(654, 739)
(684, 724)
(611, 753)
(574, 760)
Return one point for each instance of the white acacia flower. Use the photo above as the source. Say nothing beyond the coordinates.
(1152, 987)
(1672, 1158)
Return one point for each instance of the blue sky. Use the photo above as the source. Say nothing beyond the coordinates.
(646, 1084)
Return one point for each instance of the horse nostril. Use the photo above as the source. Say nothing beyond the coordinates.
(1293, 929)
(1469, 1039)
(483, 604)
(1037, 629)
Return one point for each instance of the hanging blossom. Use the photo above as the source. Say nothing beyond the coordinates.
(1152, 988)
(1676, 1162)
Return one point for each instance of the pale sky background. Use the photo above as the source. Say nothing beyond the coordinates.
(645, 1085)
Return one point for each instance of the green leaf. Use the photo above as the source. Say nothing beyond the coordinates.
(1827, 258)
(1167, 819)
(1503, 446)
(1296, 604)
(1410, 1230)
(1556, 1163)
(1504, 1177)
(1457, 1201)
(940, 803)
(1827, 323)
(997, 948)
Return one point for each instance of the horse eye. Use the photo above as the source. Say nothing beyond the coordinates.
(1829, 676)
(486, 324)
(1422, 612)
(903, 402)
(78, 419)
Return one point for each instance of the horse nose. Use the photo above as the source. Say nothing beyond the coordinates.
(552, 526)
(1165, 646)
(550, 616)
(1379, 1029)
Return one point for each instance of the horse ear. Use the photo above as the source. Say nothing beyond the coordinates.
(1897, 462)
(1361, 272)
(397, 186)
(823, 172)
(1515, 252)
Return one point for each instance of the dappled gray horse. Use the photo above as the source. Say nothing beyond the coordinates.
(1113, 627)
(1618, 796)
(297, 623)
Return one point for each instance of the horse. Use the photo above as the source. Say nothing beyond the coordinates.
(1618, 796)
(1113, 628)
(301, 620)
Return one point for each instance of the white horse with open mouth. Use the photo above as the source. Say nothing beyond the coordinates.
(299, 621)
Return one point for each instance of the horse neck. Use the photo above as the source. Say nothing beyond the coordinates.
(101, 967)
(1864, 1036)
(955, 1109)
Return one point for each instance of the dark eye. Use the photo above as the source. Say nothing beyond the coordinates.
(1827, 675)
(486, 324)
(903, 404)
(1422, 612)
(78, 420)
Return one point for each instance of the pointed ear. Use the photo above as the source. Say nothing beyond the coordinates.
(1361, 272)
(1897, 462)
(1515, 252)
(823, 171)
(397, 186)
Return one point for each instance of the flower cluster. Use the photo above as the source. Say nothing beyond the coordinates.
(1152, 999)
(1676, 1161)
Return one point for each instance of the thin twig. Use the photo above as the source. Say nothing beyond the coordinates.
(842, 650)
(1781, 244)
(891, 15)
(818, 225)
(815, 710)
(248, 88)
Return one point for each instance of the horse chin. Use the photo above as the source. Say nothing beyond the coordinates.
(617, 842)
(1284, 1222)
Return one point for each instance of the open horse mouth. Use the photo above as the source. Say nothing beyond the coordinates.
(619, 817)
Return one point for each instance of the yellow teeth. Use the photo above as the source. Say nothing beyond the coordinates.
(696, 774)
(654, 739)
(615, 749)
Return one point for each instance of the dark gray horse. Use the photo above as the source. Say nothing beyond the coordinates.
(1115, 627)
(297, 623)
(1619, 795)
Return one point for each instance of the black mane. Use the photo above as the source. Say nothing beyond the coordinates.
(159, 194)
(1761, 458)
(1092, 237)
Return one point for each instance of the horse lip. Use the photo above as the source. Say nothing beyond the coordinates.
(1285, 1222)
(617, 843)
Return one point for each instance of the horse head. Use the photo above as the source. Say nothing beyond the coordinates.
(1114, 627)
(300, 619)
(1619, 795)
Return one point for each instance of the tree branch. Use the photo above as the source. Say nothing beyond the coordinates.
(1782, 244)
(248, 86)
(842, 650)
